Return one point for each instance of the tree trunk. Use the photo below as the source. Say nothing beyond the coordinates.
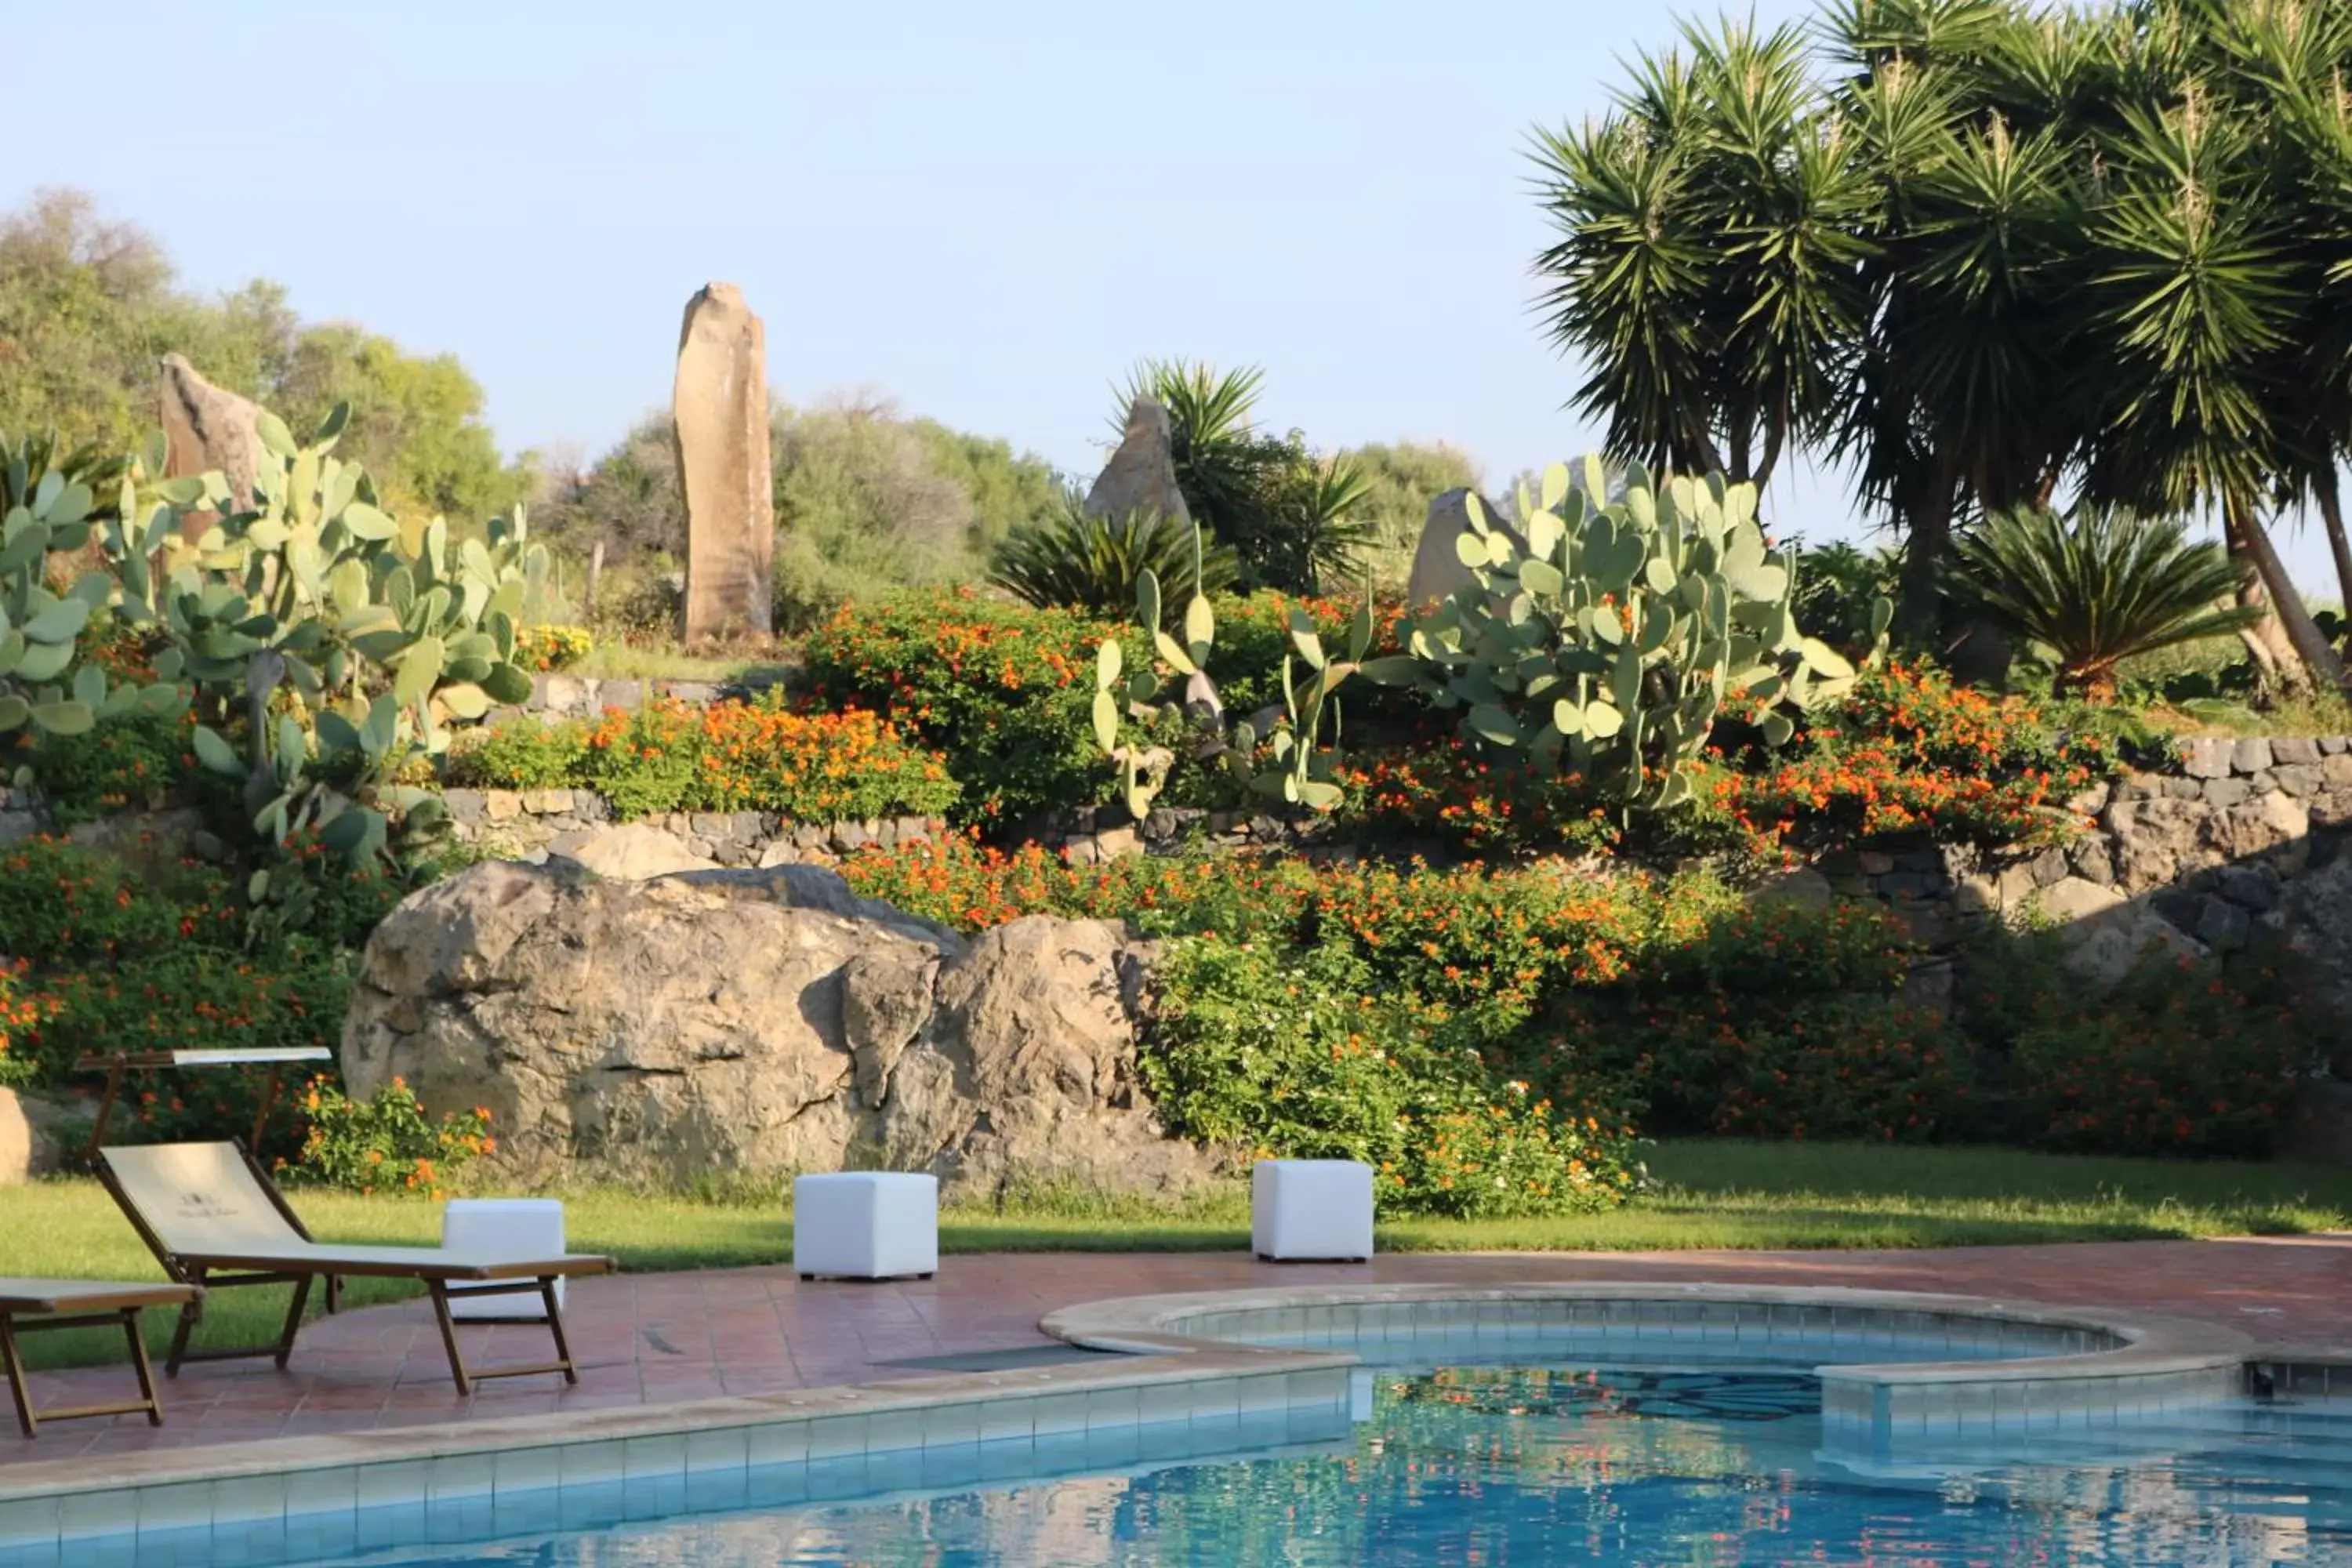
(2331, 512)
(1930, 541)
(2302, 654)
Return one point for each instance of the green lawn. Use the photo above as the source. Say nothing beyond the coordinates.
(1707, 1195)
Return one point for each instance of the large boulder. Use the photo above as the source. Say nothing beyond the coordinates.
(757, 1023)
(1437, 568)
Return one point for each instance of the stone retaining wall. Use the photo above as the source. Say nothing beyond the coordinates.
(533, 824)
(2237, 842)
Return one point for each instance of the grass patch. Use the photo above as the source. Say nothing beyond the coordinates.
(1708, 1194)
(620, 661)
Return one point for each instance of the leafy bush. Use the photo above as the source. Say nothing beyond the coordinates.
(191, 997)
(123, 763)
(2098, 588)
(1270, 1052)
(1446, 788)
(1287, 516)
(724, 756)
(1772, 1020)
(546, 647)
(1838, 588)
(63, 907)
(523, 753)
(19, 1014)
(2183, 1058)
(384, 1141)
(971, 887)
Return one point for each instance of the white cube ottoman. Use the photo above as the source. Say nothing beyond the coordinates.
(507, 1227)
(1311, 1209)
(867, 1225)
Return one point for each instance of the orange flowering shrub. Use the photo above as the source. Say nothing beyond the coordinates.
(384, 1142)
(724, 756)
(2185, 1057)
(1770, 1021)
(113, 958)
(1910, 752)
(1464, 939)
(1003, 690)
(18, 1014)
(1444, 787)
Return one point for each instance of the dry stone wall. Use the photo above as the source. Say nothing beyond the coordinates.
(533, 824)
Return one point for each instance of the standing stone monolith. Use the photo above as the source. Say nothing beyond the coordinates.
(207, 427)
(720, 405)
(1141, 475)
(1437, 568)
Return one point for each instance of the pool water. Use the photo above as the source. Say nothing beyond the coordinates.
(1696, 1467)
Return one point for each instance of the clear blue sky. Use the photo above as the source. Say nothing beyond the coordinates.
(988, 211)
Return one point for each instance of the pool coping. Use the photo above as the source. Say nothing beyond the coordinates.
(1157, 1378)
(1140, 1324)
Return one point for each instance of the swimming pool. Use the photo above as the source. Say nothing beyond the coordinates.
(1584, 1420)
(1638, 1466)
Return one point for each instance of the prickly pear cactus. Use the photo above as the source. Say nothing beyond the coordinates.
(1286, 751)
(382, 633)
(1608, 646)
(47, 514)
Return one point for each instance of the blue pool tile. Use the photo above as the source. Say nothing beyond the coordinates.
(776, 1486)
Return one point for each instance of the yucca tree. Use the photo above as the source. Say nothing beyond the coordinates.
(1958, 395)
(2196, 308)
(2098, 588)
(1709, 233)
(1078, 560)
(1287, 516)
(2037, 246)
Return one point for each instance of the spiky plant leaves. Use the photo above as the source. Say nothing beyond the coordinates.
(2098, 588)
(1076, 561)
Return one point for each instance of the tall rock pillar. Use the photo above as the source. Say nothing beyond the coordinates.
(720, 405)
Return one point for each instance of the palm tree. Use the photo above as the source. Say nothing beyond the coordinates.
(2099, 589)
(1076, 559)
(1706, 265)
(2013, 246)
(2195, 303)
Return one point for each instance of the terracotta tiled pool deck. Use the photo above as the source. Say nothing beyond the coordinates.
(654, 1338)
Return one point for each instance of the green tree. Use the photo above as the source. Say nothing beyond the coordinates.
(416, 421)
(2005, 249)
(88, 307)
(1400, 479)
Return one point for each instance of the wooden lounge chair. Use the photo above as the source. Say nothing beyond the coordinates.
(26, 1305)
(214, 1219)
